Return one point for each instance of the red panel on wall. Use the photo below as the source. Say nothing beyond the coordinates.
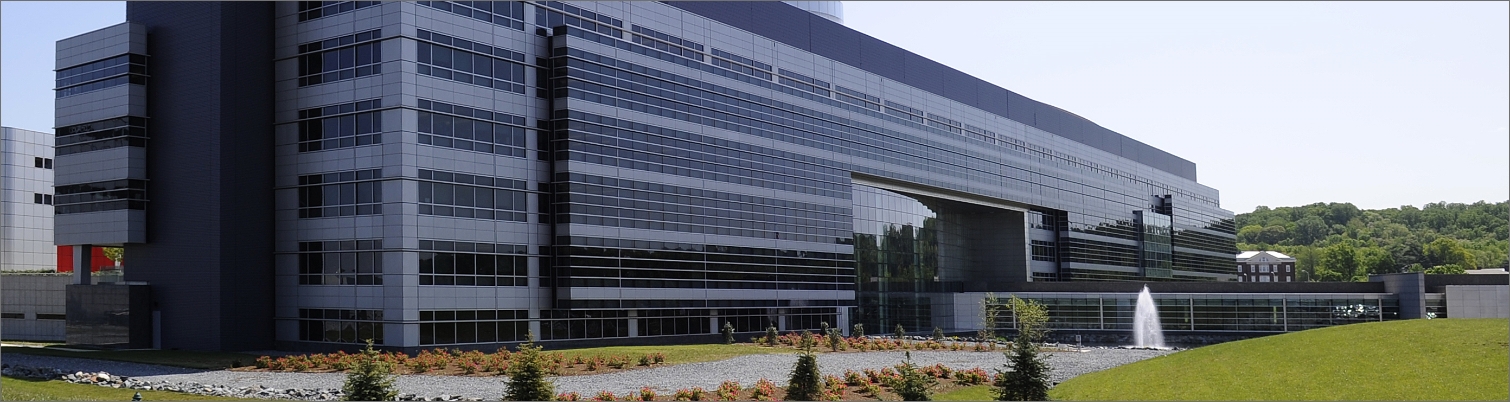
(96, 262)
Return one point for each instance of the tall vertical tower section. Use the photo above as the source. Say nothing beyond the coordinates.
(198, 143)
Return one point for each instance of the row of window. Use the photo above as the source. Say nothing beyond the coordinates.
(446, 245)
(471, 68)
(741, 59)
(351, 61)
(724, 253)
(1043, 250)
(468, 269)
(631, 135)
(666, 47)
(690, 166)
(309, 10)
(102, 84)
(353, 197)
(39, 198)
(122, 64)
(441, 327)
(338, 268)
(45, 163)
(552, 18)
(355, 129)
(40, 316)
(504, 13)
(588, 194)
(805, 79)
(341, 326)
(103, 134)
(472, 135)
(100, 196)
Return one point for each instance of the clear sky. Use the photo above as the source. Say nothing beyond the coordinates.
(1380, 104)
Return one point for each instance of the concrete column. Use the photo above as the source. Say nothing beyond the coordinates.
(843, 320)
(82, 254)
(634, 323)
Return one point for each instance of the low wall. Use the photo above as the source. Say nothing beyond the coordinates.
(33, 306)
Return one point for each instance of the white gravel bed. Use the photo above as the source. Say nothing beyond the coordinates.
(745, 369)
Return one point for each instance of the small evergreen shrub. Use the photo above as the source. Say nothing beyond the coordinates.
(900, 332)
(914, 385)
(527, 373)
(728, 331)
(371, 379)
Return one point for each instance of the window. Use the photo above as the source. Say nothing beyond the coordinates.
(327, 60)
(340, 126)
(341, 326)
(1263, 268)
(484, 198)
(107, 73)
(442, 327)
(42, 198)
(45, 163)
(341, 262)
(309, 10)
(104, 134)
(101, 196)
(483, 68)
(357, 192)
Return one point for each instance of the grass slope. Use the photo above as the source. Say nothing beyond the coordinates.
(13, 389)
(1446, 359)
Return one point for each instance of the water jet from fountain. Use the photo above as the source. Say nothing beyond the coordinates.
(1147, 333)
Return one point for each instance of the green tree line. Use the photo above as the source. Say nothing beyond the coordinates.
(1339, 242)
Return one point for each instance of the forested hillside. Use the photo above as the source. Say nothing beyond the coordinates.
(1339, 242)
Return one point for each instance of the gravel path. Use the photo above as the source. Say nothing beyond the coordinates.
(745, 369)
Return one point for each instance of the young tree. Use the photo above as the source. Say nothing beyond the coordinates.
(835, 339)
(806, 382)
(938, 334)
(1027, 378)
(858, 331)
(771, 335)
(728, 331)
(989, 308)
(116, 254)
(370, 379)
(915, 384)
(526, 373)
(900, 331)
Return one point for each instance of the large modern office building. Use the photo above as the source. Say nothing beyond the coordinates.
(305, 175)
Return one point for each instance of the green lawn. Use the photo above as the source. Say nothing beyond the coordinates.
(176, 358)
(1445, 359)
(14, 389)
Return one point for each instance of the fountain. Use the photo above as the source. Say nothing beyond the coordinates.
(1146, 330)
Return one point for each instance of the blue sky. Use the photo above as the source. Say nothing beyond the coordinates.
(1380, 104)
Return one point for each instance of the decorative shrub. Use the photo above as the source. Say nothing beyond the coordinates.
(853, 378)
(645, 360)
(974, 376)
(605, 396)
(569, 396)
(694, 394)
(647, 394)
(764, 390)
(728, 390)
(658, 357)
